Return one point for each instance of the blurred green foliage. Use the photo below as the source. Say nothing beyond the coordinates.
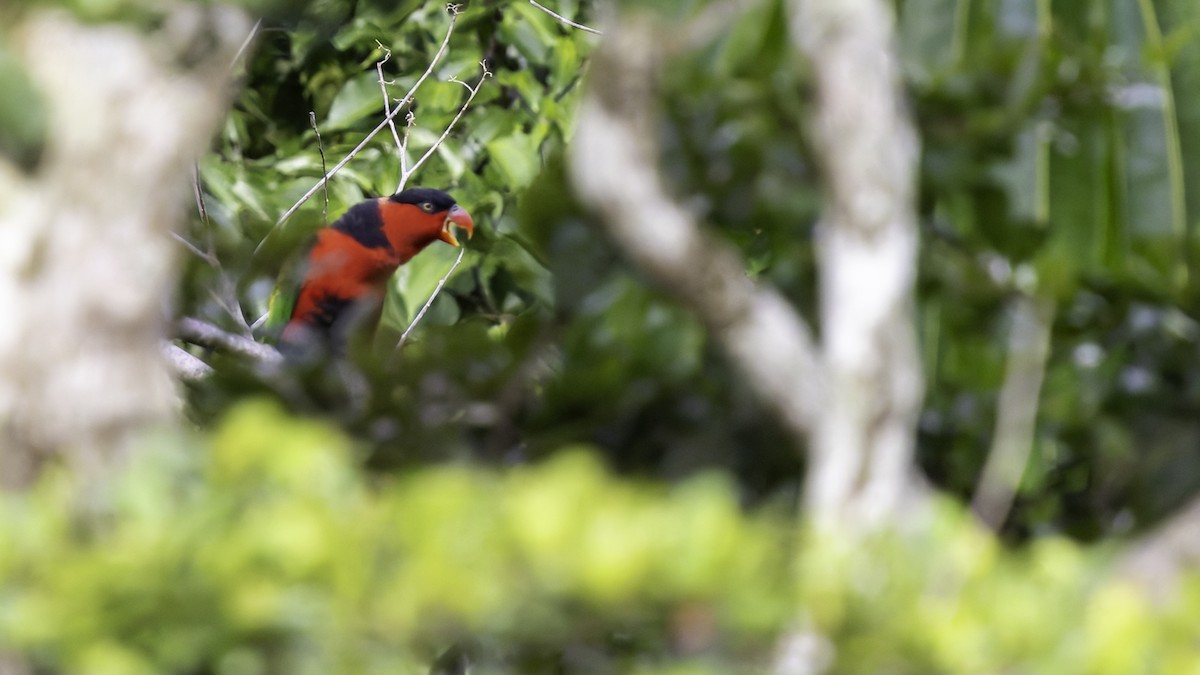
(267, 550)
(1061, 152)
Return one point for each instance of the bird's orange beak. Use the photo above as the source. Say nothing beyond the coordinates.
(456, 216)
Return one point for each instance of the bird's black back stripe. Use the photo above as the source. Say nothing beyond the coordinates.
(364, 223)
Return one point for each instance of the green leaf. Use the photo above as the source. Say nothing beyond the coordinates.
(359, 98)
(517, 159)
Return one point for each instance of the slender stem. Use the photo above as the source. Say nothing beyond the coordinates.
(429, 302)
(387, 103)
(312, 120)
(565, 20)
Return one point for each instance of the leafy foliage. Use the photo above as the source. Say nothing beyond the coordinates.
(1060, 141)
(267, 550)
(1055, 165)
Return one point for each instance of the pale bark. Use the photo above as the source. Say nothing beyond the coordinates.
(857, 402)
(863, 442)
(86, 264)
(1016, 414)
(614, 166)
(1157, 560)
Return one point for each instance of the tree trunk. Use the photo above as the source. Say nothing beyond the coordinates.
(86, 260)
(862, 447)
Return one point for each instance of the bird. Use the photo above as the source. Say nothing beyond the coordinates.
(345, 272)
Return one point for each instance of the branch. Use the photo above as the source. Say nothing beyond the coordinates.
(614, 167)
(1157, 559)
(867, 147)
(186, 366)
(428, 303)
(565, 20)
(387, 100)
(312, 120)
(207, 335)
(1016, 417)
(245, 45)
(87, 261)
(406, 174)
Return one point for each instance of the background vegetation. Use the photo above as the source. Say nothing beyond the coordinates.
(559, 472)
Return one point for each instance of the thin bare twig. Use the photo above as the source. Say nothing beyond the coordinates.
(227, 297)
(437, 57)
(245, 44)
(195, 250)
(312, 120)
(199, 193)
(226, 294)
(565, 20)
(428, 303)
(462, 110)
(409, 121)
(387, 101)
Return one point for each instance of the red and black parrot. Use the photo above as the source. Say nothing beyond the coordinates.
(346, 271)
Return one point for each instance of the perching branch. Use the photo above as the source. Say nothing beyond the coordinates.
(614, 166)
(207, 335)
(186, 366)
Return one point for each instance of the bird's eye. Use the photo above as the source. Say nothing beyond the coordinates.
(427, 207)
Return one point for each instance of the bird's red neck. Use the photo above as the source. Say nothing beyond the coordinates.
(408, 229)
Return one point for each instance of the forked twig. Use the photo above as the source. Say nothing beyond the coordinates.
(387, 101)
(437, 57)
(450, 127)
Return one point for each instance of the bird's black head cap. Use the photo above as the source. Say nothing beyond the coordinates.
(440, 200)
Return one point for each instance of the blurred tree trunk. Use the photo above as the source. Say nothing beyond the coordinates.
(86, 260)
(854, 403)
(862, 443)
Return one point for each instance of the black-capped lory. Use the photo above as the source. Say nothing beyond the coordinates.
(345, 272)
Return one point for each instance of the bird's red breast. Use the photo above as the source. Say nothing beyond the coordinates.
(348, 266)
